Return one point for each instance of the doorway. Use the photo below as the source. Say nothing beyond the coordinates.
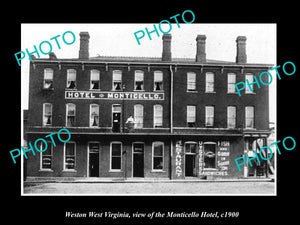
(138, 160)
(190, 159)
(116, 118)
(94, 159)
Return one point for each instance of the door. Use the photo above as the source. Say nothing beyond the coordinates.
(94, 165)
(116, 118)
(138, 160)
(189, 165)
(190, 159)
(93, 159)
(116, 122)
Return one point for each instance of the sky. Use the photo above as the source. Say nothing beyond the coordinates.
(118, 40)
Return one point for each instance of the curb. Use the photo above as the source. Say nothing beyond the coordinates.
(144, 180)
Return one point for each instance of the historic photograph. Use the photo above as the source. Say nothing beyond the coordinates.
(148, 109)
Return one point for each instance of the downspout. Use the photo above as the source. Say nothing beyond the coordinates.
(171, 121)
(171, 101)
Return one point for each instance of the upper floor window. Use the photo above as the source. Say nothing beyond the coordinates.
(48, 78)
(249, 116)
(95, 80)
(209, 82)
(70, 114)
(250, 78)
(117, 80)
(94, 115)
(191, 115)
(138, 116)
(231, 80)
(71, 78)
(231, 117)
(157, 116)
(191, 81)
(47, 114)
(158, 81)
(138, 80)
(209, 116)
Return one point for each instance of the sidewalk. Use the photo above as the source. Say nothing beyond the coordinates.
(139, 180)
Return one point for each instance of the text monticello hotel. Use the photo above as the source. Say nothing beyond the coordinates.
(146, 117)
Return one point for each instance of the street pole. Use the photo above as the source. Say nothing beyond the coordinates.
(123, 130)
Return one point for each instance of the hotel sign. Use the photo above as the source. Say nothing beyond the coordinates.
(114, 95)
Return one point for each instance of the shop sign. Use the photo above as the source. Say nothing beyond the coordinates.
(178, 159)
(114, 95)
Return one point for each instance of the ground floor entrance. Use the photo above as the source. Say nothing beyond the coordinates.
(138, 160)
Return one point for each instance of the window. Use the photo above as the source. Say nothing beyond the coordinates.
(116, 156)
(138, 80)
(47, 114)
(250, 79)
(48, 78)
(190, 148)
(231, 80)
(117, 80)
(158, 81)
(158, 156)
(209, 84)
(231, 117)
(94, 115)
(191, 81)
(71, 78)
(69, 156)
(209, 155)
(158, 116)
(209, 116)
(95, 80)
(249, 114)
(191, 115)
(71, 113)
(46, 156)
(138, 116)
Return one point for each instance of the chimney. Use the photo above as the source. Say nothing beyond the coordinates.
(200, 54)
(241, 56)
(166, 52)
(84, 45)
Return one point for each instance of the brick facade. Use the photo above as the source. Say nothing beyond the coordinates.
(186, 151)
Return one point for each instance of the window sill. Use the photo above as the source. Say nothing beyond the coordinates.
(70, 170)
(210, 169)
(192, 91)
(210, 92)
(47, 89)
(45, 170)
(235, 93)
(71, 89)
(94, 89)
(250, 93)
(115, 171)
(158, 171)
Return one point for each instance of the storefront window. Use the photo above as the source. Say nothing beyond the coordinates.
(46, 156)
(158, 153)
(69, 156)
(209, 155)
(116, 156)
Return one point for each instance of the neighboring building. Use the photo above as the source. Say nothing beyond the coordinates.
(144, 116)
